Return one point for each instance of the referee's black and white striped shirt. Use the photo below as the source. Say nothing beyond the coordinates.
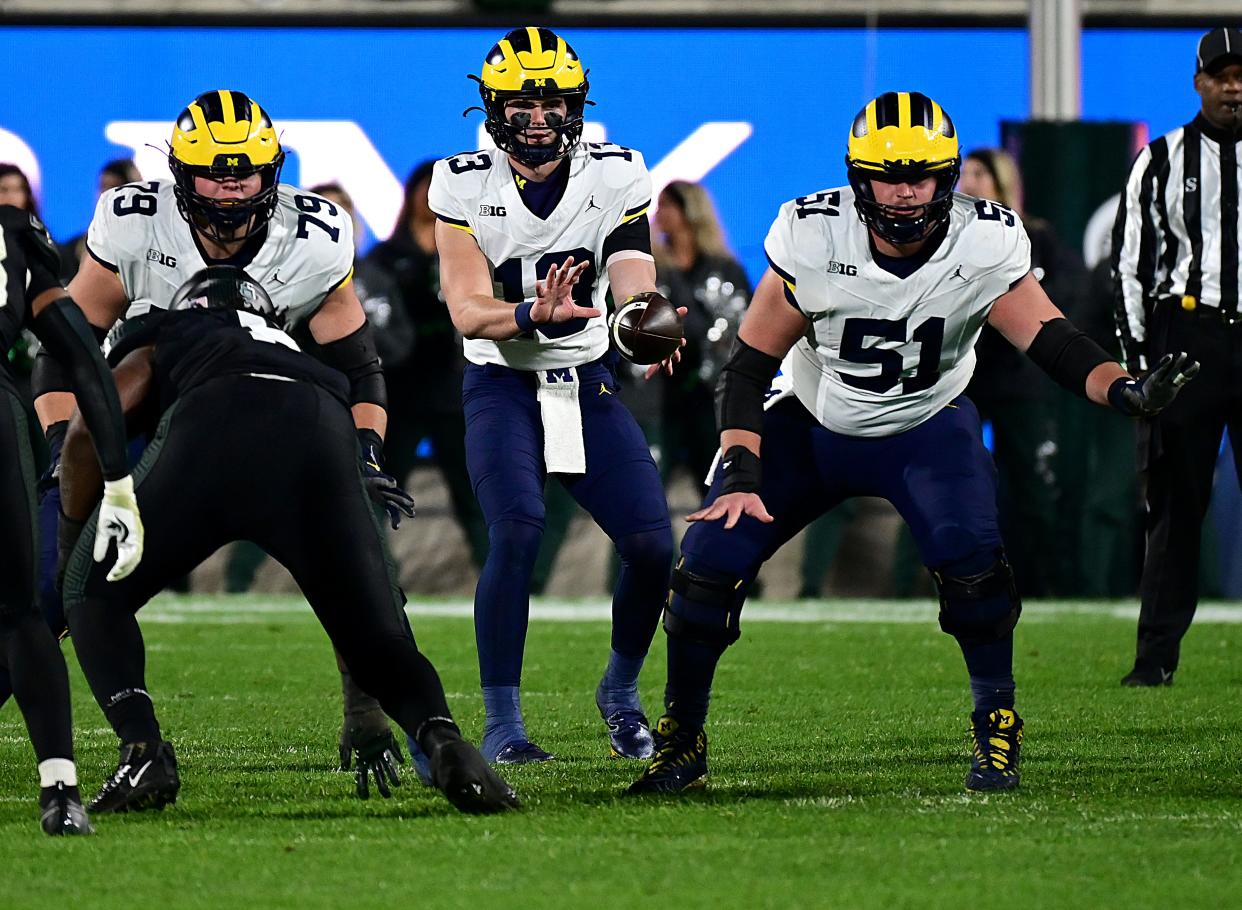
(1176, 234)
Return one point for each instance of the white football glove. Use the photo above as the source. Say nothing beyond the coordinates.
(119, 520)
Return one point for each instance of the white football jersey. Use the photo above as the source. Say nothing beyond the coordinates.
(475, 192)
(138, 233)
(884, 353)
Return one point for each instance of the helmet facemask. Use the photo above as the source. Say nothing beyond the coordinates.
(905, 223)
(509, 133)
(226, 220)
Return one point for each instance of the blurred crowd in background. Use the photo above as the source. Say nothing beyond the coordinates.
(1070, 503)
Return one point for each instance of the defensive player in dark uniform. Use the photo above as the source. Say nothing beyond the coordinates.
(254, 442)
(34, 298)
(877, 292)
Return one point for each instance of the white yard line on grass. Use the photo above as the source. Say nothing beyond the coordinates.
(226, 610)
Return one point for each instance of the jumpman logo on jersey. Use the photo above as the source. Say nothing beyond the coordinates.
(591, 203)
(958, 274)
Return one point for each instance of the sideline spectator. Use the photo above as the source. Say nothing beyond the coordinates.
(117, 172)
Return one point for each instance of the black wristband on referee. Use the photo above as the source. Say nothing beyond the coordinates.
(740, 470)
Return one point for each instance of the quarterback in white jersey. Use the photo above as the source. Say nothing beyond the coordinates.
(531, 235)
(226, 206)
(599, 222)
(877, 292)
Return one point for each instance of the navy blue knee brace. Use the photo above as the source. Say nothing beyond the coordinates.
(981, 607)
(704, 607)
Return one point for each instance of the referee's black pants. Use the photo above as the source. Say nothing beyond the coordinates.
(1178, 451)
(275, 463)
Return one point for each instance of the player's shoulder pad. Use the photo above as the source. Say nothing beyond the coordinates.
(125, 217)
(618, 167)
(337, 231)
(465, 174)
(993, 233)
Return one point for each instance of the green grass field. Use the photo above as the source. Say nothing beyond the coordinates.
(838, 749)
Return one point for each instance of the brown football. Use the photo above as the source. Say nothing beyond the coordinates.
(646, 328)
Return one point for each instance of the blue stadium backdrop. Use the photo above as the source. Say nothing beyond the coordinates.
(759, 115)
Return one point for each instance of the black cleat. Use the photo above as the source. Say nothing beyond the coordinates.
(62, 812)
(146, 778)
(463, 775)
(997, 743)
(522, 752)
(680, 760)
(1146, 676)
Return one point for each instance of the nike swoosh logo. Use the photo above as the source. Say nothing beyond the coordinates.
(134, 778)
(118, 530)
(726, 464)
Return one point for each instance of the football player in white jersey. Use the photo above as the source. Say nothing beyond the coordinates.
(877, 292)
(226, 205)
(531, 235)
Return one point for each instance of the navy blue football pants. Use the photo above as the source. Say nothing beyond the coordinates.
(621, 490)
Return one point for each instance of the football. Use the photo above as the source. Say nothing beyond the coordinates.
(647, 328)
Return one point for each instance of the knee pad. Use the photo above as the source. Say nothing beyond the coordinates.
(647, 549)
(704, 607)
(978, 608)
(515, 544)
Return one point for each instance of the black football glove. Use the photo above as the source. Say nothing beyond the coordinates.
(382, 488)
(374, 755)
(1150, 395)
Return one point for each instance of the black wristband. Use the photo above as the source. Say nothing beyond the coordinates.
(55, 435)
(740, 470)
(371, 447)
(1118, 398)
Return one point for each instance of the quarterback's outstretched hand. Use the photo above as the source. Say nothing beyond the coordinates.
(731, 507)
(1149, 396)
(119, 520)
(554, 296)
(667, 363)
(376, 756)
(381, 487)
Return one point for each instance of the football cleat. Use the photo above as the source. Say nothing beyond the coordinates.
(1145, 676)
(461, 773)
(521, 752)
(680, 760)
(146, 778)
(997, 741)
(62, 811)
(629, 733)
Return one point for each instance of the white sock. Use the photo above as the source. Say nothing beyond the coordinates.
(58, 771)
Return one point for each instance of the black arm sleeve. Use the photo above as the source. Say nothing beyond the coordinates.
(50, 375)
(743, 385)
(67, 336)
(1067, 354)
(632, 235)
(355, 356)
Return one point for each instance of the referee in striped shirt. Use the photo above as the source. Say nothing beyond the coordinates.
(1175, 261)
